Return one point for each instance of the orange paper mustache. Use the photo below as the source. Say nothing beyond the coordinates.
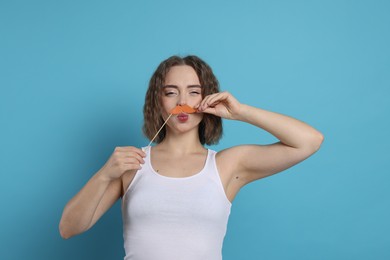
(182, 109)
(175, 111)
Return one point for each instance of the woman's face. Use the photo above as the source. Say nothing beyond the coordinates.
(181, 87)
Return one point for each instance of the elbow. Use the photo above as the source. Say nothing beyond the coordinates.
(71, 226)
(317, 141)
(313, 143)
(65, 236)
(68, 230)
(64, 232)
(320, 139)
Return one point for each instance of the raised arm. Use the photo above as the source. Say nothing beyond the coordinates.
(247, 163)
(100, 192)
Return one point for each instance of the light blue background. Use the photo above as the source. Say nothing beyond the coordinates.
(73, 79)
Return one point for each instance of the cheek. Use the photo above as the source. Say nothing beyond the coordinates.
(195, 101)
(166, 106)
(198, 116)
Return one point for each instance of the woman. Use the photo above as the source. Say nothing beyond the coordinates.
(176, 195)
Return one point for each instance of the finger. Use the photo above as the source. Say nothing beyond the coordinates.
(218, 98)
(130, 167)
(215, 100)
(206, 100)
(133, 161)
(212, 100)
(210, 110)
(133, 149)
(125, 154)
(141, 152)
(135, 156)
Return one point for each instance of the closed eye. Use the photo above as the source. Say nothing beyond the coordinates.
(170, 93)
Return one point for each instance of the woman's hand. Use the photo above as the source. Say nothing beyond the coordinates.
(123, 159)
(221, 104)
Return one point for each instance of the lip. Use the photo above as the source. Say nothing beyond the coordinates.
(182, 117)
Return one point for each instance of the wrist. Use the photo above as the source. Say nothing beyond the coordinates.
(102, 177)
(243, 114)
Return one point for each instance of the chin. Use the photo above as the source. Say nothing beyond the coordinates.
(185, 127)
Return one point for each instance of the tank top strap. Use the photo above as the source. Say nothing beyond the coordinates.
(213, 173)
(145, 170)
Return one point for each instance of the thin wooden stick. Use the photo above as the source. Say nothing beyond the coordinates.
(160, 129)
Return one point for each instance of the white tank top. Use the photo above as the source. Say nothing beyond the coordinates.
(167, 218)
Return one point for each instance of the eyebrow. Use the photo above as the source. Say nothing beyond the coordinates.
(174, 86)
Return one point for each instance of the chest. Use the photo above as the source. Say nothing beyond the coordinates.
(155, 198)
(178, 167)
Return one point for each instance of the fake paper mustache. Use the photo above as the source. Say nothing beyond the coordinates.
(182, 109)
(175, 111)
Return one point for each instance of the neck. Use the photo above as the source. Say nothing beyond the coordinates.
(181, 143)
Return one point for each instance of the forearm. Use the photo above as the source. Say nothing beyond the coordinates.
(79, 211)
(288, 130)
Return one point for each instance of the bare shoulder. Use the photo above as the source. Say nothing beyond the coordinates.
(229, 158)
(254, 162)
(229, 162)
(239, 162)
(227, 165)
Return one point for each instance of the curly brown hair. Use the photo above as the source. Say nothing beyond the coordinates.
(210, 128)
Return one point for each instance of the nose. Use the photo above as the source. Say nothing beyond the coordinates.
(182, 100)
